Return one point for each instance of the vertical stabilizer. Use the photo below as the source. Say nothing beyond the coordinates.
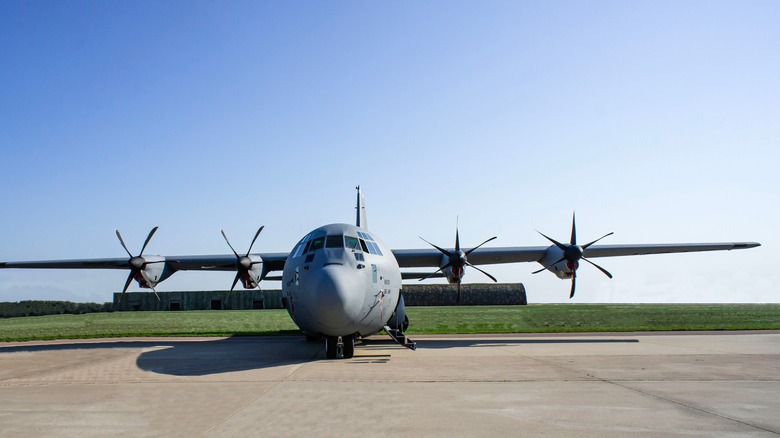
(360, 221)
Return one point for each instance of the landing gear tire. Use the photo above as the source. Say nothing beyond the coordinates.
(349, 346)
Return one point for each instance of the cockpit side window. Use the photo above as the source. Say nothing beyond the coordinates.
(317, 243)
(352, 243)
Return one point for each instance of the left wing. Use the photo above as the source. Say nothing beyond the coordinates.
(559, 258)
(428, 257)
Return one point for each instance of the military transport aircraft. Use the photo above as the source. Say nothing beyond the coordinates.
(340, 282)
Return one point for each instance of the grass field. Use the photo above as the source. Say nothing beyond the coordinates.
(539, 318)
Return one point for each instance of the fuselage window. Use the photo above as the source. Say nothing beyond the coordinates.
(298, 249)
(370, 246)
(373, 248)
(334, 241)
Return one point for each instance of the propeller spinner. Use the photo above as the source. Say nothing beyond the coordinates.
(137, 264)
(573, 253)
(457, 260)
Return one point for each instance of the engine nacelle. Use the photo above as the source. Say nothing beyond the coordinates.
(251, 278)
(453, 274)
(154, 272)
(563, 269)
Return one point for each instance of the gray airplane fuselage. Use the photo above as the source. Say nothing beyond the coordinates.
(341, 280)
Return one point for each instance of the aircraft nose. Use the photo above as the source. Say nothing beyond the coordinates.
(337, 297)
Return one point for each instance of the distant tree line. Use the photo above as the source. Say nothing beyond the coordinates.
(40, 308)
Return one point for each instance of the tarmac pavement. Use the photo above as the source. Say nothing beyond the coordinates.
(569, 385)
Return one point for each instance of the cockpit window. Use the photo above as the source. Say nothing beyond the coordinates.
(352, 243)
(336, 241)
(317, 243)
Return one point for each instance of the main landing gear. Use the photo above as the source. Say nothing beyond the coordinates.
(343, 346)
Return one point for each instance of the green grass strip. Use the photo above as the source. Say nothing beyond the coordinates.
(538, 318)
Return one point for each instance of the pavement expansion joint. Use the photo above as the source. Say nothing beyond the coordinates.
(689, 406)
(262, 393)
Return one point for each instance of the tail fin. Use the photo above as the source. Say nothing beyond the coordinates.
(360, 221)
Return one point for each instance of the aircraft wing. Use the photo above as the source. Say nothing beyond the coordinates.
(112, 263)
(663, 248)
(222, 262)
(430, 257)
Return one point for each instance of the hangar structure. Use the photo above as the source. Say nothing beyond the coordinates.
(487, 294)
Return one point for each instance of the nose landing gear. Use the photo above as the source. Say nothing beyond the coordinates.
(343, 346)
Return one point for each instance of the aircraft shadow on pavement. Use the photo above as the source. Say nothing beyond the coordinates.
(208, 357)
(200, 357)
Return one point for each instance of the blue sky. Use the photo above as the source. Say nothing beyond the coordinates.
(655, 120)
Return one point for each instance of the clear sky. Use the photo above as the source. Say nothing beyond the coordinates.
(657, 120)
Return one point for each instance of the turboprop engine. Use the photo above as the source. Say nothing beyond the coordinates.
(249, 268)
(454, 262)
(148, 271)
(563, 260)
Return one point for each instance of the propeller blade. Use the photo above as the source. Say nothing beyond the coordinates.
(480, 270)
(228, 242)
(573, 240)
(127, 283)
(599, 267)
(119, 236)
(559, 260)
(146, 242)
(561, 246)
(591, 243)
(253, 240)
(149, 282)
(457, 237)
(235, 281)
(536, 272)
(573, 284)
(458, 299)
(472, 249)
(436, 271)
(443, 251)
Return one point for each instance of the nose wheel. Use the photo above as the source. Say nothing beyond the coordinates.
(340, 346)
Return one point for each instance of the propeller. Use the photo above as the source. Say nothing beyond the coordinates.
(573, 253)
(243, 263)
(457, 260)
(137, 264)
